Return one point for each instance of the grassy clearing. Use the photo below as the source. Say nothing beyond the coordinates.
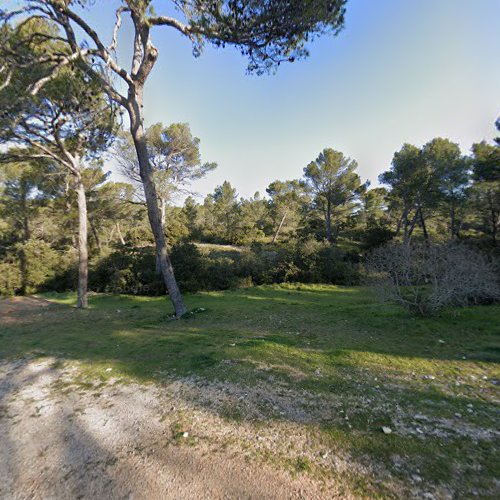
(335, 362)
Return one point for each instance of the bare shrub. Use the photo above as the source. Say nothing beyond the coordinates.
(426, 278)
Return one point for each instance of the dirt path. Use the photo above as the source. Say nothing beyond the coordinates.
(117, 442)
(12, 309)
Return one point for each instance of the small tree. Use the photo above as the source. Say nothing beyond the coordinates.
(220, 213)
(486, 188)
(450, 172)
(174, 155)
(412, 189)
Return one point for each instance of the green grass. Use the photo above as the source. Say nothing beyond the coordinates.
(373, 361)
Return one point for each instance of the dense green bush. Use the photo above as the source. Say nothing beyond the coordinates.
(127, 270)
(10, 276)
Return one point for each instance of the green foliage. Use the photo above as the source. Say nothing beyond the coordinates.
(174, 156)
(336, 187)
(10, 276)
(130, 270)
(27, 266)
(267, 32)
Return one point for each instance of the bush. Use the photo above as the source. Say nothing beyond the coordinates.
(426, 278)
(10, 276)
(130, 270)
(189, 267)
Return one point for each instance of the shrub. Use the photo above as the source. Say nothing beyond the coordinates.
(426, 278)
(10, 276)
(189, 267)
(130, 270)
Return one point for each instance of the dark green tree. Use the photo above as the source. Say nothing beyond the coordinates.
(286, 203)
(336, 188)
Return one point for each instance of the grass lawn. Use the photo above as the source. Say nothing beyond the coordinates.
(330, 361)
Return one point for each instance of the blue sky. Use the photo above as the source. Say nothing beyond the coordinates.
(400, 71)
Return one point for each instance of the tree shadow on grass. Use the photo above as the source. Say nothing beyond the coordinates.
(307, 362)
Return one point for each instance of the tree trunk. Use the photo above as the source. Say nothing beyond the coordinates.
(23, 262)
(335, 234)
(137, 131)
(279, 227)
(96, 235)
(422, 224)
(83, 269)
(453, 230)
(494, 219)
(163, 211)
(329, 221)
(120, 235)
(409, 231)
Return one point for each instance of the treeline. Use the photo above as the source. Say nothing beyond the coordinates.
(317, 228)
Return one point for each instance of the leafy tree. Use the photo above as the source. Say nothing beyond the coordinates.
(268, 32)
(220, 213)
(374, 206)
(412, 189)
(18, 208)
(67, 119)
(192, 217)
(174, 156)
(450, 171)
(251, 220)
(109, 205)
(336, 187)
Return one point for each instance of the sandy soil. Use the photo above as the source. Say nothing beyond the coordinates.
(13, 308)
(118, 441)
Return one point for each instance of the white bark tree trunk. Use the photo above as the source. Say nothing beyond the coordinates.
(83, 269)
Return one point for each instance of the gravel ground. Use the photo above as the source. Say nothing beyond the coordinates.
(122, 441)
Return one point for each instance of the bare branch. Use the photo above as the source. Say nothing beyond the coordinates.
(174, 23)
(118, 23)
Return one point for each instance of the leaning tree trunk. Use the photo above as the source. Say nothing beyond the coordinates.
(163, 219)
(96, 235)
(422, 224)
(276, 234)
(137, 131)
(120, 235)
(83, 260)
